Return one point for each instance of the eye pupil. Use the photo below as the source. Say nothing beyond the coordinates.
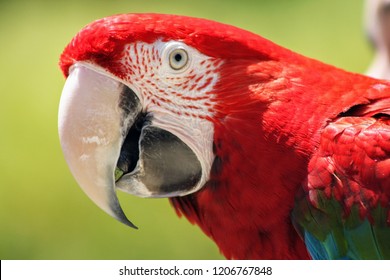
(178, 57)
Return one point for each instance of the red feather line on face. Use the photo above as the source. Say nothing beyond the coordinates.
(188, 94)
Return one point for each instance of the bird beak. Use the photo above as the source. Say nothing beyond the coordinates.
(110, 143)
(92, 129)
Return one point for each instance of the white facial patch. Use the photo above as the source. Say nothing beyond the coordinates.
(175, 84)
(186, 91)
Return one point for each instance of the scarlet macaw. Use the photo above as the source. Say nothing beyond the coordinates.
(272, 154)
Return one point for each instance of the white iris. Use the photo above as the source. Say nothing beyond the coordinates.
(178, 59)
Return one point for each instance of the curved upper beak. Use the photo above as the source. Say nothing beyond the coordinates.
(91, 133)
(104, 132)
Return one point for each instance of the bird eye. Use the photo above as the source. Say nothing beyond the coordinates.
(178, 59)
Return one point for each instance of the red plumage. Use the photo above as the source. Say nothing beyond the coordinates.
(264, 143)
(103, 41)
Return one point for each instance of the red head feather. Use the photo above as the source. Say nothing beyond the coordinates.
(103, 40)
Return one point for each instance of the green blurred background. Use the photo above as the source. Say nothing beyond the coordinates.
(43, 213)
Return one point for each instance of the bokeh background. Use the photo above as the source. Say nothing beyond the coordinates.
(43, 213)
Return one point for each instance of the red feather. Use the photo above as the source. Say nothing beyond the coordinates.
(102, 41)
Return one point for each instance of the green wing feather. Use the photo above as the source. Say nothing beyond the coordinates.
(342, 212)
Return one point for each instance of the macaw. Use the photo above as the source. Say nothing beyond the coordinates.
(272, 154)
(377, 26)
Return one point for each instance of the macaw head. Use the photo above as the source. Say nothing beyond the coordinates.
(148, 98)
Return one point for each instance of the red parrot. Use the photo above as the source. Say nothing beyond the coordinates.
(272, 154)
